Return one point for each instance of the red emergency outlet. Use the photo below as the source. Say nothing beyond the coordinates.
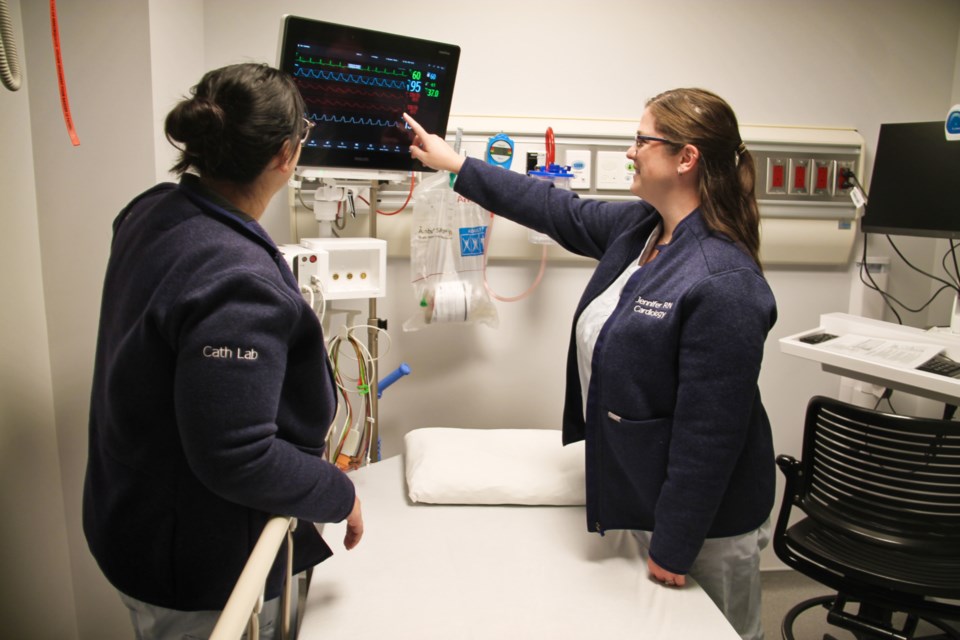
(823, 177)
(777, 177)
(799, 176)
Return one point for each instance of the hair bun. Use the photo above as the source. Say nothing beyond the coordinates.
(236, 119)
(194, 120)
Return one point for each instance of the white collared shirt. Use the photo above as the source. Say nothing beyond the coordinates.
(596, 314)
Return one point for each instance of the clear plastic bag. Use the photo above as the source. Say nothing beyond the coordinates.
(446, 258)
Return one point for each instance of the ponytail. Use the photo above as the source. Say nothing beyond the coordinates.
(728, 174)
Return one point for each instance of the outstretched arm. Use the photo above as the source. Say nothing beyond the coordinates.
(432, 150)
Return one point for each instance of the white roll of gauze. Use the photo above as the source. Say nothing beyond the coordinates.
(451, 302)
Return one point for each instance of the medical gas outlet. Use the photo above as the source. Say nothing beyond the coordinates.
(614, 170)
(580, 166)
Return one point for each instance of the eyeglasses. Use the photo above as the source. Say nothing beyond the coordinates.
(642, 140)
(309, 124)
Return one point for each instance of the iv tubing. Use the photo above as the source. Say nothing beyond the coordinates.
(413, 181)
(486, 285)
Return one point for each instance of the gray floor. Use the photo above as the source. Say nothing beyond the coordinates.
(782, 590)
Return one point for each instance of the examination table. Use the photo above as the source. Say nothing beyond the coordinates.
(492, 570)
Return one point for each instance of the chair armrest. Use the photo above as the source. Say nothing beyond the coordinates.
(790, 467)
(787, 464)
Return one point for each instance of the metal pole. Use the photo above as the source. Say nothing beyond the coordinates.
(373, 336)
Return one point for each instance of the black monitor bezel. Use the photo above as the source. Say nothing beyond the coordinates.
(299, 29)
(915, 183)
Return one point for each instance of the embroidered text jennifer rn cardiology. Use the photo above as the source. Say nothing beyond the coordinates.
(653, 308)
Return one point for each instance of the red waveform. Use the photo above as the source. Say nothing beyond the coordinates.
(334, 103)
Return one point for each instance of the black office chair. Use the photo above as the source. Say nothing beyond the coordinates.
(881, 495)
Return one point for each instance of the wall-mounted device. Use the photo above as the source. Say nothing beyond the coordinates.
(357, 83)
(306, 265)
(499, 151)
(339, 268)
(951, 126)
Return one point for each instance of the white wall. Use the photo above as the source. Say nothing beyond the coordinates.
(176, 64)
(857, 63)
(79, 190)
(956, 76)
(36, 594)
(854, 64)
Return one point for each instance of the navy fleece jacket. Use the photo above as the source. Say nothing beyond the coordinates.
(677, 439)
(212, 395)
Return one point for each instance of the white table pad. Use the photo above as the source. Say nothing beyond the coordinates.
(476, 572)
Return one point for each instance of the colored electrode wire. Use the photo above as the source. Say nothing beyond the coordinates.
(353, 441)
(353, 426)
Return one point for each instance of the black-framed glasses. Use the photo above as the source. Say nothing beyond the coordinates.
(309, 125)
(642, 140)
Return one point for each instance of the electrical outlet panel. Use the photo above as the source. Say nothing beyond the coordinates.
(804, 175)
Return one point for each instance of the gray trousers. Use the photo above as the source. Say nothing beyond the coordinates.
(151, 622)
(728, 570)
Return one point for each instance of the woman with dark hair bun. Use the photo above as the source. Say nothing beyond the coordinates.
(212, 391)
(666, 346)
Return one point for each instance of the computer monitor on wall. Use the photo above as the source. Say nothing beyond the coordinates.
(915, 185)
(357, 83)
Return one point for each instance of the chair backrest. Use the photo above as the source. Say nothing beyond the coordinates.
(892, 479)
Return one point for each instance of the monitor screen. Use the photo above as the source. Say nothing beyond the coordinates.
(357, 83)
(915, 186)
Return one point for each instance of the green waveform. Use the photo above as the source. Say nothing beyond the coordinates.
(402, 73)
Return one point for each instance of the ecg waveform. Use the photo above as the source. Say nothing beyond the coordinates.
(371, 122)
(334, 76)
(339, 65)
(356, 106)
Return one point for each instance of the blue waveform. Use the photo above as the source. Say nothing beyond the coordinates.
(333, 76)
(373, 122)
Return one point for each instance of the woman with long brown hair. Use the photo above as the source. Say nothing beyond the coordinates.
(667, 341)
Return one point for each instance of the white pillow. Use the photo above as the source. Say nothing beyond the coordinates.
(493, 466)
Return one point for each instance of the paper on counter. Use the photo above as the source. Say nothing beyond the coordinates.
(895, 353)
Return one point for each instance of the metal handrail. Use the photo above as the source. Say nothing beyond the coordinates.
(243, 608)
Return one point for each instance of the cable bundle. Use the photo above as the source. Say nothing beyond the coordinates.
(353, 438)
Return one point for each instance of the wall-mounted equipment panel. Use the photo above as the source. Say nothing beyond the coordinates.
(807, 216)
(339, 268)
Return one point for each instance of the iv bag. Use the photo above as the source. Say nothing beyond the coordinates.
(446, 258)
